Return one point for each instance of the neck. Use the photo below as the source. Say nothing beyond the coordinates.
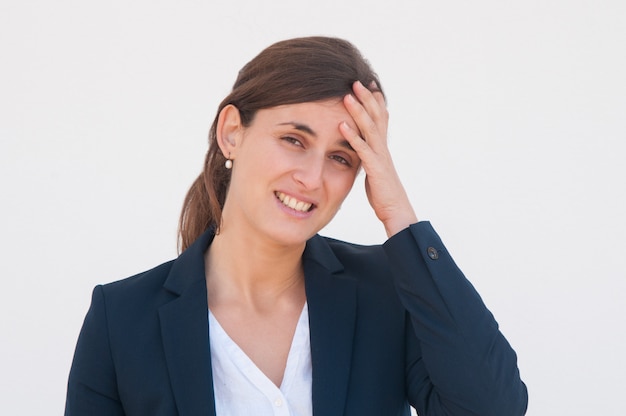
(252, 271)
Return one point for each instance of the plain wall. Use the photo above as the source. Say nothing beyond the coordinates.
(507, 126)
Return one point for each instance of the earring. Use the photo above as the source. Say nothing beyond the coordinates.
(229, 162)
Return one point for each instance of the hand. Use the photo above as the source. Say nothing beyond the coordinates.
(384, 189)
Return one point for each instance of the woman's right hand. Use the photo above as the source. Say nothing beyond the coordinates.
(385, 191)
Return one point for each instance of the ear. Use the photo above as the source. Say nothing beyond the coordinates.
(229, 130)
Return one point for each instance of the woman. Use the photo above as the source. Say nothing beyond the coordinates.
(260, 315)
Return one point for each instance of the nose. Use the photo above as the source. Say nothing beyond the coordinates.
(310, 172)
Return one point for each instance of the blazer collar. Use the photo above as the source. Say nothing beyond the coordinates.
(331, 298)
(184, 332)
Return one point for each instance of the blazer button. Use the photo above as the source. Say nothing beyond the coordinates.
(432, 253)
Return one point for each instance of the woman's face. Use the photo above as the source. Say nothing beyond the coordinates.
(292, 170)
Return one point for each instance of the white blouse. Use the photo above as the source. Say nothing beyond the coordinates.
(241, 389)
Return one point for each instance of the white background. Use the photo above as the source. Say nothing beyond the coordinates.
(507, 125)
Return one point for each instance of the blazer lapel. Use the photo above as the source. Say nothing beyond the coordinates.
(184, 331)
(331, 300)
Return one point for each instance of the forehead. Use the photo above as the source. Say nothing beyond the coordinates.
(318, 115)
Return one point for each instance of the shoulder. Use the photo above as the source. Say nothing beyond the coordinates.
(366, 263)
(356, 252)
(175, 276)
(140, 289)
(379, 308)
(146, 279)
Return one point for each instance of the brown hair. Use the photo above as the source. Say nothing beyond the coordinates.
(288, 72)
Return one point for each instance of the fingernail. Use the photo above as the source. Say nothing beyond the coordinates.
(359, 84)
(373, 85)
(350, 98)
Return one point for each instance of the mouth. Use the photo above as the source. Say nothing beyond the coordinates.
(294, 203)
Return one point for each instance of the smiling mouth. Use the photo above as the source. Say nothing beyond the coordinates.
(293, 203)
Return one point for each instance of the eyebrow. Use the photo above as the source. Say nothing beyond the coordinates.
(301, 127)
(306, 129)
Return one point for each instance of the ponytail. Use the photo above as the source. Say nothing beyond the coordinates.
(203, 203)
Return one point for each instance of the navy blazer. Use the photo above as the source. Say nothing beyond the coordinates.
(390, 326)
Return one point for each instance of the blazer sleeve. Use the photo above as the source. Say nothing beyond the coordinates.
(460, 364)
(92, 388)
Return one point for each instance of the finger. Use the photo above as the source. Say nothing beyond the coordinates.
(375, 107)
(359, 145)
(373, 102)
(378, 94)
(365, 123)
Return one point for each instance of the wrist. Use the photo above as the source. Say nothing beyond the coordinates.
(399, 222)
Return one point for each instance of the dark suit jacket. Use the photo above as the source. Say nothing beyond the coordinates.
(389, 325)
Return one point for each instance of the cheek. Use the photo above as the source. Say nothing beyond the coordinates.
(273, 157)
(342, 184)
(258, 161)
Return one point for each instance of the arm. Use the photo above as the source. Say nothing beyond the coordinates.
(468, 364)
(459, 363)
(92, 386)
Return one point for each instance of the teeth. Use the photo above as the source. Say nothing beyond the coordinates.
(293, 203)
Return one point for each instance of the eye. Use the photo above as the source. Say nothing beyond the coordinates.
(341, 160)
(293, 140)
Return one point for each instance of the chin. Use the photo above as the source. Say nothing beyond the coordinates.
(291, 234)
(292, 238)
